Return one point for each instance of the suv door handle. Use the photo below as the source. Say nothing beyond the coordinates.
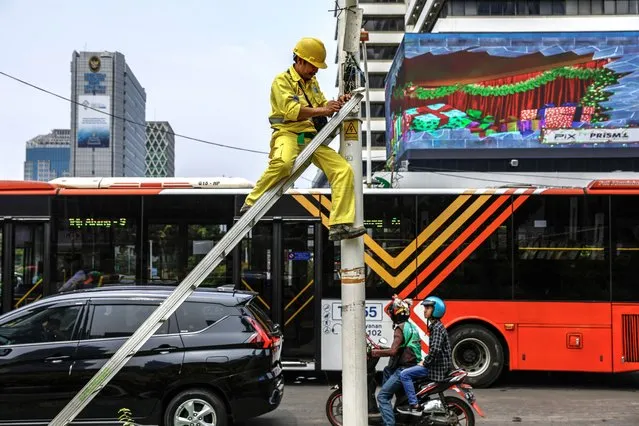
(165, 349)
(56, 359)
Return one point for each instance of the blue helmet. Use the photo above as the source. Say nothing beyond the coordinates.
(439, 306)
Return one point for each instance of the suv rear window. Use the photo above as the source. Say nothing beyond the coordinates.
(261, 316)
(196, 316)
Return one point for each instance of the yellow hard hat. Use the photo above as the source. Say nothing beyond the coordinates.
(311, 50)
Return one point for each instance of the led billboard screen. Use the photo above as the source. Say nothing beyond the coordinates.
(513, 91)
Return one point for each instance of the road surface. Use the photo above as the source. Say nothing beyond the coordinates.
(526, 399)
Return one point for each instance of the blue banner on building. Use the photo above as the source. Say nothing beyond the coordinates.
(94, 122)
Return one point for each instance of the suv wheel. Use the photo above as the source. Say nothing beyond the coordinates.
(195, 407)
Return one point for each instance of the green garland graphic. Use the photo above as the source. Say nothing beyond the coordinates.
(596, 94)
(503, 90)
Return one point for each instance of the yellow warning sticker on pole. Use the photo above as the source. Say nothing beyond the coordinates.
(351, 130)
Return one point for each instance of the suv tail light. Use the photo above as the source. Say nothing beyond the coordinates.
(261, 337)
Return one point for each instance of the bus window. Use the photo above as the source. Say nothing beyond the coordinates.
(485, 272)
(561, 249)
(390, 221)
(625, 252)
(181, 231)
(28, 255)
(96, 240)
(165, 251)
(202, 238)
(256, 254)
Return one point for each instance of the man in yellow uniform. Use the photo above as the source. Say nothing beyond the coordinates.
(298, 111)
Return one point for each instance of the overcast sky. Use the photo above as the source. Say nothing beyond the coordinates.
(206, 66)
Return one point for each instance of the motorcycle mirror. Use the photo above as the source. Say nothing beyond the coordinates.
(382, 341)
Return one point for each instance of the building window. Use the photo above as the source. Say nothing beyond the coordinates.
(384, 23)
(382, 52)
(377, 138)
(376, 80)
(377, 110)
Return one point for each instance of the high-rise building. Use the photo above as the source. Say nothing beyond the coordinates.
(160, 149)
(105, 91)
(47, 156)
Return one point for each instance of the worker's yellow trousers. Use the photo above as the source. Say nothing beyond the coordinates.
(284, 151)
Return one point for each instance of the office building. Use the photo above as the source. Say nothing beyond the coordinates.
(160, 149)
(47, 156)
(105, 91)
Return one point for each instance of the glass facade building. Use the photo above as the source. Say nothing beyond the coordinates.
(47, 156)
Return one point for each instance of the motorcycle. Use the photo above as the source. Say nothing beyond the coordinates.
(438, 409)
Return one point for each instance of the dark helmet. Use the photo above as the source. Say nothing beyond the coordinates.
(399, 310)
(439, 307)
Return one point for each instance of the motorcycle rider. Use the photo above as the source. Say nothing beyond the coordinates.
(405, 352)
(437, 362)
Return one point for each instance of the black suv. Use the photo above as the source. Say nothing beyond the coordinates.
(216, 360)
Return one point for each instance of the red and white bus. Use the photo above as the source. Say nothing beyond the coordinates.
(535, 278)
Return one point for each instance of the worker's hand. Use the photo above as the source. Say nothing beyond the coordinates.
(334, 106)
(345, 98)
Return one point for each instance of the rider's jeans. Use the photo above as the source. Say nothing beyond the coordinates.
(392, 384)
(407, 376)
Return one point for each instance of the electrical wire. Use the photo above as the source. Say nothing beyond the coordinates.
(34, 86)
(130, 121)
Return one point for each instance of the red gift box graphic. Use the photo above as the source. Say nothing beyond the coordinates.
(528, 114)
(563, 117)
(558, 118)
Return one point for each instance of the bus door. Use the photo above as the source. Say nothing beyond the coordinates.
(278, 260)
(296, 276)
(25, 259)
(253, 265)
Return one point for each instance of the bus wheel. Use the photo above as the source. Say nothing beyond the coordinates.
(477, 350)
